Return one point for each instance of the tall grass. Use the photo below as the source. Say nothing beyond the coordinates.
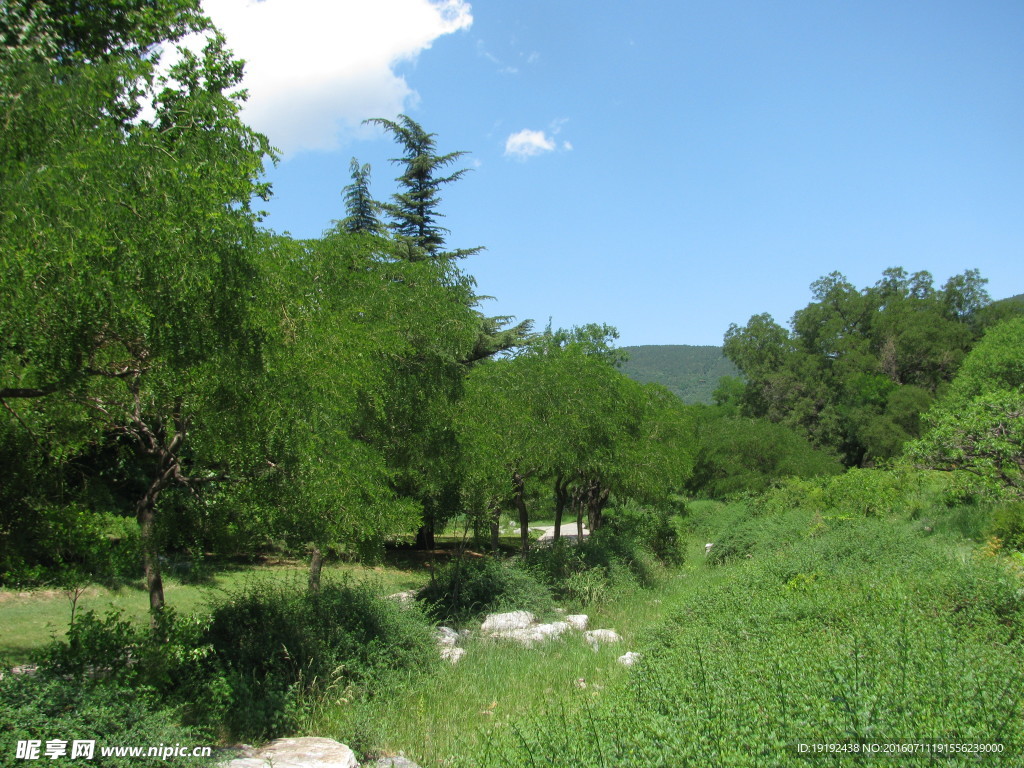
(863, 631)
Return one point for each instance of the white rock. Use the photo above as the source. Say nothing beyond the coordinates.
(553, 629)
(452, 653)
(408, 597)
(629, 659)
(534, 634)
(394, 762)
(707, 548)
(503, 622)
(527, 636)
(597, 636)
(307, 752)
(446, 636)
(578, 621)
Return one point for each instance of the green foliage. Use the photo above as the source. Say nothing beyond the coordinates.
(47, 706)
(978, 427)
(660, 529)
(54, 543)
(855, 493)
(464, 589)
(277, 648)
(859, 366)
(863, 633)
(1007, 524)
(360, 207)
(414, 212)
(741, 455)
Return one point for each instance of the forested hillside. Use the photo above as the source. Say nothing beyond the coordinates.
(688, 371)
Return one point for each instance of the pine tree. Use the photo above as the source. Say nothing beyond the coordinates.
(360, 207)
(414, 213)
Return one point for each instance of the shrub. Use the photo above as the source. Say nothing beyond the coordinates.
(466, 589)
(1007, 524)
(172, 659)
(278, 647)
(47, 706)
(659, 529)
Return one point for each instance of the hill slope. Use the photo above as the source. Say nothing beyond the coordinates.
(690, 372)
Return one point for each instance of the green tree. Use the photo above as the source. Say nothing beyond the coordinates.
(414, 212)
(129, 246)
(859, 366)
(978, 427)
(360, 207)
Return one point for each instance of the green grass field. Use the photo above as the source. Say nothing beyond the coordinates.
(32, 618)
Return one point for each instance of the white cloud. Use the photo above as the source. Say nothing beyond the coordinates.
(315, 69)
(527, 143)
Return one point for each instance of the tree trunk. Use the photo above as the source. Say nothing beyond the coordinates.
(495, 527)
(577, 505)
(316, 565)
(145, 514)
(597, 498)
(561, 497)
(520, 504)
(425, 535)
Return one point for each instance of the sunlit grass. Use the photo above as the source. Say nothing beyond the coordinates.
(32, 618)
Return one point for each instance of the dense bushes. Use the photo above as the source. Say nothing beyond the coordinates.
(468, 588)
(43, 707)
(276, 647)
(250, 666)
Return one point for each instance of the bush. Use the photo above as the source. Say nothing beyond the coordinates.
(659, 529)
(46, 706)
(172, 659)
(464, 589)
(277, 648)
(1007, 524)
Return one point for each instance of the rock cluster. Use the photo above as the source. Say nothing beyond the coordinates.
(309, 752)
(522, 627)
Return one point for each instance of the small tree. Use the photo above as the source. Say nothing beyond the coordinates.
(360, 207)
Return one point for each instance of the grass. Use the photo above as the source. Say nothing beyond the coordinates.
(438, 719)
(32, 618)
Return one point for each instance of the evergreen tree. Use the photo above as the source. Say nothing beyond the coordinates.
(414, 211)
(360, 207)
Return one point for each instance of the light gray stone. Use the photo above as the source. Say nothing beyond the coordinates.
(503, 622)
(408, 597)
(446, 636)
(534, 634)
(629, 659)
(578, 621)
(306, 752)
(596, 637)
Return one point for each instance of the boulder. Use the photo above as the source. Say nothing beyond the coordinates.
(596, 637)
(629, 659)
(532, 635)
(578, 621)
(503, 622)
(446, 636)
(307, 752)
(408, 597)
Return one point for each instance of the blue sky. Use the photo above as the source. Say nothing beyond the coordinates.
(685, 165)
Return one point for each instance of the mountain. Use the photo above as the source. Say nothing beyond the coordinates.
(690, 372)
